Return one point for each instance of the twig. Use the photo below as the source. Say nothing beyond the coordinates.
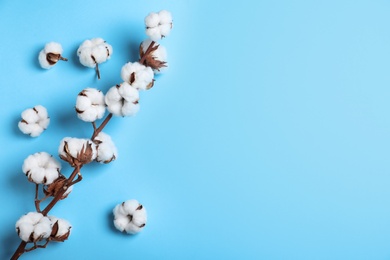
(36, 201)
(100, 128)
(69, 182)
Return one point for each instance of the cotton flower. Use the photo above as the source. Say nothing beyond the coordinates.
(60, 229)
(34, 121)
(93, 52)
(158, 25)
(33, 227)
(122, 100)
(90, 105)
(41, 168)
(130, 217)
(57, 186)
(50, 55)
(156, 58)
(137, 75)
(77, 151)
(106, 149)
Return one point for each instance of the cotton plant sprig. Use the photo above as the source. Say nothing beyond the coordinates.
(42, 169)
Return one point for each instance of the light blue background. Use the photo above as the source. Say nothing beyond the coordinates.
(268, 137)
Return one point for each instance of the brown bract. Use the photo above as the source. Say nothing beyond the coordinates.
(54, 188)
(149, 60)
(53, 58)
(55, 237)
(83, 157)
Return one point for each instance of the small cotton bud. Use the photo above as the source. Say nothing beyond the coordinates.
(158, 25)
(41, 168)
(34, 121)
(106, 149)
(60, 229)
(58, 186)
(50, 55)
(93, 52)
(130, 217)
(77, 151)
(156, 58)
(122, 100)
(137, 75)
(90, 105)
(33, 227)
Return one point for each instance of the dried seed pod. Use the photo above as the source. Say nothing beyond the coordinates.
(34, 121)
(90, 105)
(57, 186)
(137, 75)
(50, 55)
(156, 58)
(130, 217)
(106, 149)
(41, 168)
(158, 25)
(93, 52)
(33, 227)
(122, 100)
(60, 229)
(77, 151)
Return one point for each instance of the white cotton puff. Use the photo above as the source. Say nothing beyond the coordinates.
(130, 217)
(34, 121)
(159, 54)
(94, 51)
(137, 75)
(75, 146)
(90, 105)
(41, 168)
(33, 227)
(51, 47)
(106, 149)
(64, 226)
(158, 25)
(122, 100)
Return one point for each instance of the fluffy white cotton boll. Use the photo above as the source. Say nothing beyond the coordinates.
(130, 217)
(63, 228)
(156, 59)
(90, 105)
(158, 25)
(122, 100)
(85, 57)
(33, 227)
(152, 20)
(137, 75)
(50, 55)
(77, 150)
(34, 121)
(106, 149)
(41, 168)
(93, 52)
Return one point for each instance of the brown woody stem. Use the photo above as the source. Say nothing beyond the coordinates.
(148, 50)
(97, 70)
(19, 251)
(63, 58)
(100, 128)
(37, 202)
(64, 189)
